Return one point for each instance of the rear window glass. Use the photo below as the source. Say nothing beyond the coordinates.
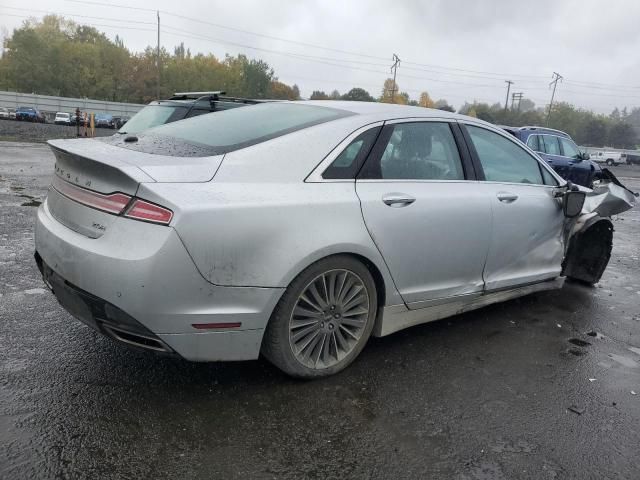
(152, 116)
(229, 130)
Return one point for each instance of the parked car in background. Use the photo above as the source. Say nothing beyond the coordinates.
(62, 119)
(326, 222)
(609, 158)
(4, 113)
(29, 114)
(631, 158)
(104, 120)
(12, 114)
(180, 106)
(120, 120)
(560, 151)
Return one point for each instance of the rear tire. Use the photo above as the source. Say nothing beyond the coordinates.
(323, 320)
(610, 162)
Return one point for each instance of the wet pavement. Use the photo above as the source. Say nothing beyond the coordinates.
(537, 388)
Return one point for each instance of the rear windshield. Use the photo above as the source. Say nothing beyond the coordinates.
(152, 116)
(229, 130)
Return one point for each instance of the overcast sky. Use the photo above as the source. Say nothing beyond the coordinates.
(454, 49)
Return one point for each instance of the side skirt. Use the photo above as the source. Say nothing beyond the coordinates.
(398, 317)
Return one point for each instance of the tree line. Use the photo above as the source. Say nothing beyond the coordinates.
(55, 56)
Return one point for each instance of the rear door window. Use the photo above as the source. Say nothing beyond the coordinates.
(418, 151)
(551, 145)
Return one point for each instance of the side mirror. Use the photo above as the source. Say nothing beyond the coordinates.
(572, 203)
(585, 156)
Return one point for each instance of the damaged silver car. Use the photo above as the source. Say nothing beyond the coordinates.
(299, 229)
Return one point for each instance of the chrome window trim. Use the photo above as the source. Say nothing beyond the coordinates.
(523, 146)
(316, 174)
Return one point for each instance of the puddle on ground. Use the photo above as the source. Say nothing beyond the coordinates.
(577, 352)
(578, 342)
(31, 203)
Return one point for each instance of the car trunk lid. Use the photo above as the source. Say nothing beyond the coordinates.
(91, 176)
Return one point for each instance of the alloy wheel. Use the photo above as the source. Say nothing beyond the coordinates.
(329, 318)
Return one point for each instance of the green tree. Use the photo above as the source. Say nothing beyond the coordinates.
(622, 135)
(318, 95)
(358, 95)
(595, 132)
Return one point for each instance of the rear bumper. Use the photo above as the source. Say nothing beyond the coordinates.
(138, 278)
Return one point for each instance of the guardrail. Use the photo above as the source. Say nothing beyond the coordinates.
(49, 105)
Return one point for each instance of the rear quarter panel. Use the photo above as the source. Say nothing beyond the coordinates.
(264, 234)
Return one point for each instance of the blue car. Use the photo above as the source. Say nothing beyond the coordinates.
(560, 151)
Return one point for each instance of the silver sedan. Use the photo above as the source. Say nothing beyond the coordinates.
(298, 229)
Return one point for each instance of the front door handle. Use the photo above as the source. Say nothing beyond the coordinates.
(507, 197)
(398, 200)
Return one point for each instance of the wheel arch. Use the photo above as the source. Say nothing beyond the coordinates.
(385, 287)
(589, 251)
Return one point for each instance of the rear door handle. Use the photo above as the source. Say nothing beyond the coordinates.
(398, 200)
(507, 197)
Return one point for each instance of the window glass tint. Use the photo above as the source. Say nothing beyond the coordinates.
(532, 143)
(240, 127)
(502, 159)
(419, 151)
(548, 178)
(569, 148)
(551, 145)
(347, 164)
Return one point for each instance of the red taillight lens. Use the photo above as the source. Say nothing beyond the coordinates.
(112, 203)
(149, 212)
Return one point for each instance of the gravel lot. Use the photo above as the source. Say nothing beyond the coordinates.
(540, 387)
(11, 130)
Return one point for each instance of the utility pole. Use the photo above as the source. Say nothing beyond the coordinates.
(506, 100)
(516, 96)
(158, 58)
(556, 77)
(394, 69)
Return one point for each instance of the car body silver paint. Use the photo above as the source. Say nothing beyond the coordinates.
(237, 241)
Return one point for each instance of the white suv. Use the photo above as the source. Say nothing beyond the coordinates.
(62, 119)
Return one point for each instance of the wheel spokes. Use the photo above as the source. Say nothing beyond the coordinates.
(329, 318)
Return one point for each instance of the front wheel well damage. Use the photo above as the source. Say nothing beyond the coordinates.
(589, 252)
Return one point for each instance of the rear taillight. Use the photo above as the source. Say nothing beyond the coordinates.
(112, 203)
(149, 212)
(116, 203)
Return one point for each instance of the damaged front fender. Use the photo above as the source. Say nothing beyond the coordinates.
(590, 236)
(608, 197)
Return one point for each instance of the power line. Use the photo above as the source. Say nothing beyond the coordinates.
(102, 4)
(76, 15)
(91, 24)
